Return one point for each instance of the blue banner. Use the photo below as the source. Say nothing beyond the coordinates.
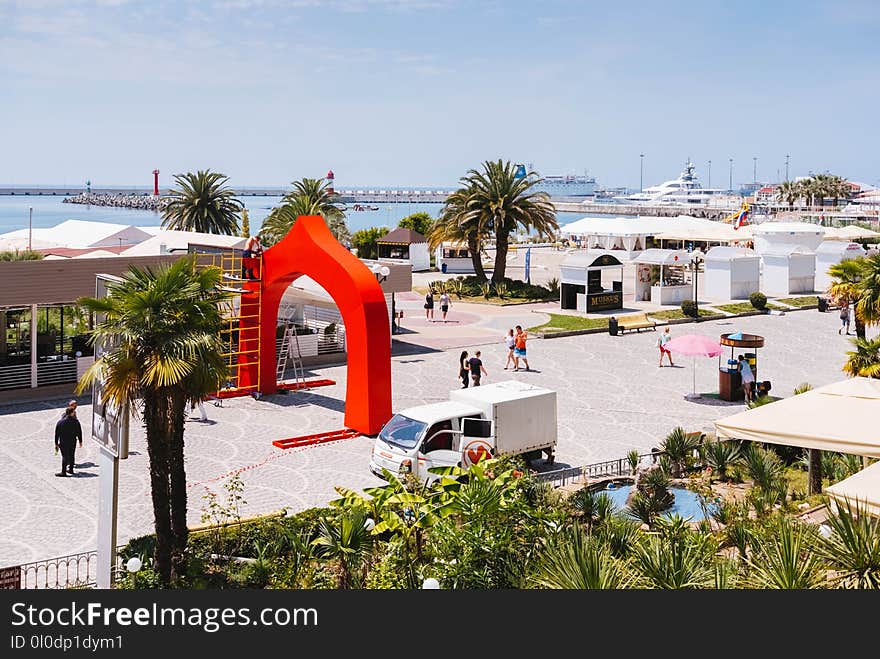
(528, 261)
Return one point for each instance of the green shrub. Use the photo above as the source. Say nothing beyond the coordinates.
(758, 300)
(689, 308)
(553, 286)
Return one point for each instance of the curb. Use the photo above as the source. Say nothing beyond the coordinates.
(564, 333)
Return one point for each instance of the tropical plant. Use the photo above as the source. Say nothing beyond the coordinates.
(418, 222)
(486, 289)
(499, 202)
(802, 388)
(679, 447)
(455, 286)
(619, 533)
(459, 223)
(765, 469)
(689, 308)
(202, 202)
(633, 458)
(364, 241)
(673, 562)
(574, 561)
(864, 361)
(20, 255)
(553, 286)
(789, 192)
(758, 300)
(739, 534)
(282, 218)
(868, 305)
(784, 557)
(347, 540)
(245, 224)
(501, 289)
(721, 456)
(852, 549)
(593, 507)
(845, 288)
(162, 328)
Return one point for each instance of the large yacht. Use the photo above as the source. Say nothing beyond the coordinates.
(686, 189)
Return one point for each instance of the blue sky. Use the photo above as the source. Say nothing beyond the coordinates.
(398, 92)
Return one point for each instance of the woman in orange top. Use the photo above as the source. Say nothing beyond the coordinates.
(519, 350)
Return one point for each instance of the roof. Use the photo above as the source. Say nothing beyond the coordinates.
(862, 488)
(788, 250)
(596, 258)
(664, 257)
(181, 240)
(81, 233)
(731, 254)
(401, 236)
(70, 252)
(840, 247)
(830, 418)
(788, 227)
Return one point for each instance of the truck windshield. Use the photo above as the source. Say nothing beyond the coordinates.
(403, 432)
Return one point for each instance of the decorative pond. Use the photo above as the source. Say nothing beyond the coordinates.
(687, 503)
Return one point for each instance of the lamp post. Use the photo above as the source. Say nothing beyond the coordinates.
(786, 166)
(709, 177)
(754, 169)
(697, 257)
(641, 172)
(30, 226)
(730, 182)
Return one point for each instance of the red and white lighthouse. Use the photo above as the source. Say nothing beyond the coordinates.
(155, 182)
(330, 176)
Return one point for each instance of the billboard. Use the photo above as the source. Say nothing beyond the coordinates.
(109, 423)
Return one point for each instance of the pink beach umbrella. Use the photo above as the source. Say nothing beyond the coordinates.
(694, 345)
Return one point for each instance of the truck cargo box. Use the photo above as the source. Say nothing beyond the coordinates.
(524, 414)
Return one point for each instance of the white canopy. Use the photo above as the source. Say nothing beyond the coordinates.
(862, 489)
(682, 227)
(664, 257)
(838, 417)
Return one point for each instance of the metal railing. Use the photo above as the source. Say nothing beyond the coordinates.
(607, 469)
(56, 372)
(16, 377)
(72, 571)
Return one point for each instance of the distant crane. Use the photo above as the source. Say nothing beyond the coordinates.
(155, 182)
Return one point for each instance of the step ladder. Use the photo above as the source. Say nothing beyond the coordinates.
(290, 349)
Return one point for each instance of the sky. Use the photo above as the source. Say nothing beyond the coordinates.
(416, 92)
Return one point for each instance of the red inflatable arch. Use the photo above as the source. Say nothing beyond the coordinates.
(310, 249)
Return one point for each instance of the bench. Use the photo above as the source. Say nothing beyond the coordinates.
(636, 321)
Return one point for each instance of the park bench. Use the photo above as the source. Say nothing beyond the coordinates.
(636, 321)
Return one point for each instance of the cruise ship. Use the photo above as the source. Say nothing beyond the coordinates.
(686, 189)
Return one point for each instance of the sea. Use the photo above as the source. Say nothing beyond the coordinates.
(49, 211)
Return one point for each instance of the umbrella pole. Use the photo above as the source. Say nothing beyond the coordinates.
(694, 371)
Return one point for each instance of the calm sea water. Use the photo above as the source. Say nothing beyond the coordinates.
(49, 211)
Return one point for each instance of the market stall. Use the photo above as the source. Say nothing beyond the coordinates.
(732, 273)
(662, 276)
(788, 269)
(591, 281)
(831, 252)
(729, 379)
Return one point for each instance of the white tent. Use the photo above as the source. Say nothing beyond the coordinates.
(788, 269)
(837, 417)
(773, 236)
(79, 234)
(731, 273)
(166, 240)
(672, 286)
(831, 252)
(862, 489)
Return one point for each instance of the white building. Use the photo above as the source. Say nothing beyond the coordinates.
(788, 269)
(731, 273)
(405, 246)
(831, 252)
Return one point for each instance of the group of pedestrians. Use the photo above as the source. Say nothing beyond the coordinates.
(471, 369)
(445, 302)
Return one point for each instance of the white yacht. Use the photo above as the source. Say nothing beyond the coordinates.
(686, 189)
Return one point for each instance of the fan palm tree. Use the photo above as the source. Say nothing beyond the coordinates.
(202, 203)
(853, 548)
(594, 507)
(458, 222)
(868, 305)
(163, 326)
(789, 192)
(503, 202)
(845, 288)
(310, 196)
(574, 561)
(347, 541)
(784, 557)
(864, 361)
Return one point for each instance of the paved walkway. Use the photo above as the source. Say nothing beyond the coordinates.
(612, 398)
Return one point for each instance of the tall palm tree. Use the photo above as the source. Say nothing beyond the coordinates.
(163, 326)
(845, 288)
(504, 202)
(460, 222)
(202, 203)
(789, 192)
(868, 305)
(310, 196)
(864, 361)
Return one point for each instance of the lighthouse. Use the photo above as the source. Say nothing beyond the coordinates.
(330, 176)
(155, 182)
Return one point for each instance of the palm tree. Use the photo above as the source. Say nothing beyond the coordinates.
(673, 562)
(348, 541)
(202, 203)
(764, 468)
(864, 361)
(868, 305)
(593, 507)
(721, 456)
(679, 446)
(853, 548)
(502, 202)
(846, 289)
(789, 192)
(784, 557)
(577, 562)
(459, 223)
(310, 196)
(163, 327)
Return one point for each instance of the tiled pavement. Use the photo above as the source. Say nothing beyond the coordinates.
(612, 398)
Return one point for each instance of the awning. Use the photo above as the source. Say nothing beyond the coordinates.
(862, 489)
(656, 256)
(838, 417)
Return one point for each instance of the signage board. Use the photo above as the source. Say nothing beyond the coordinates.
(109, 423)
(604, 301)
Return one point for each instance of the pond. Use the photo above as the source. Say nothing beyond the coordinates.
(687, 503)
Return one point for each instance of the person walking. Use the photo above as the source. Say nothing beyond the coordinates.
(477, 368)
(519, 348)
(203, 415)
(844, 318)
(67, 432)
(510, 342)
(463, 368)
(662, 340)
(748, 378)
(429, 305)
(445, 303)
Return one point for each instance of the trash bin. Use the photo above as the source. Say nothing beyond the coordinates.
(612, 326)
(823, 304)
(443, 268)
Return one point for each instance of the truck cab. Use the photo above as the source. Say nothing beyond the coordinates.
(423, 437)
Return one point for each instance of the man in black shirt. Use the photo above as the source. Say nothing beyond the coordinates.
(67, 432)
(477, 368)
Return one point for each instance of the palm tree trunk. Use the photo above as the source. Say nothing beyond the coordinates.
(476, 257)
(815, 471)
(501, 242)
(155, 421)
(177, 471)
(860, 327)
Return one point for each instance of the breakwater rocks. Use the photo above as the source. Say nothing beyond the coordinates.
(136, 201)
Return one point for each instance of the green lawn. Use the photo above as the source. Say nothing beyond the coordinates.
(737, 307)
(675, 314)
(799, 301)
(563, 322)
(770, 305)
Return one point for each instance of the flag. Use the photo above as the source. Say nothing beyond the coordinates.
(741, 219)
(528, 260)
(520, 171)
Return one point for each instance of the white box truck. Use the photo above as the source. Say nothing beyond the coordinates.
(503, 418)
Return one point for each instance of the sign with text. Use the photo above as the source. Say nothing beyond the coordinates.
(604, 301)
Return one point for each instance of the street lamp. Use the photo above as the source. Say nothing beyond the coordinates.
(786, 166)
(430, 584)
(641, 172)
(381, 272)
(754, 169)
(709, 177)
(730, 182)
(697, 258)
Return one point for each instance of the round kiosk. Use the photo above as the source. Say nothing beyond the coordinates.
(729, 379)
